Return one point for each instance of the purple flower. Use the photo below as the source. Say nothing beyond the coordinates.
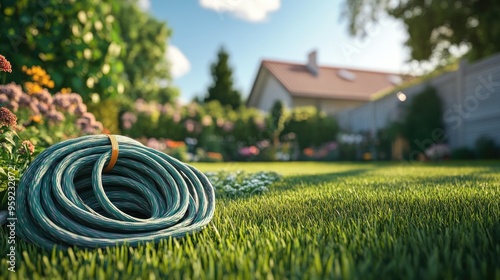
(98, 126)
(44, 96)
(3, 98)
(34, 108)
(89, 117)
(129, 117)
(25, 100)
(62, 101)
(82, 123)
(88, 130)
(81, 109)
(42, 108)
(75, 98)
(12, 91)
(55, 116)
(13, 105)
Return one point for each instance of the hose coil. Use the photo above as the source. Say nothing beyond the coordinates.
(65, 199)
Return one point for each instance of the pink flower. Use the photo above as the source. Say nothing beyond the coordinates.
(7, 118)
(27, 147)
(228, 126)
(249, 151)
(189, 125)
(5, 64)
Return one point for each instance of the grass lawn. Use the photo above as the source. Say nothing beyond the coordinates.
(324, 220)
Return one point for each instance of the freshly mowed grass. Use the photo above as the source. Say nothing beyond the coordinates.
(324, 220)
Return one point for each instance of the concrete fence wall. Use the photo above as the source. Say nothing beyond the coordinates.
(471, 104)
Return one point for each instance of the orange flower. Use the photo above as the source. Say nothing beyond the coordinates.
(39, 77)
(66, 90)
(308, 152)
(213, 155)
(174, 144)
(32, 88)
(36, 119)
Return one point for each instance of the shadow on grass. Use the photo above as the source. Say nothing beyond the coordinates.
(294, 182)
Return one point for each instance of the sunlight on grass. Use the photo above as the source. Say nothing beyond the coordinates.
(326, 220)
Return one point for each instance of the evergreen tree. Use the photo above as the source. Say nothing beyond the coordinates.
(222, 86)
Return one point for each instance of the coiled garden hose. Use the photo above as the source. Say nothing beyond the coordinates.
(66, 199)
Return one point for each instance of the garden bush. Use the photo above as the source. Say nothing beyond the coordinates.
(244, 134)
(486, 148)
(463, 153)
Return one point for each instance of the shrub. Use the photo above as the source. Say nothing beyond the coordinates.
(463, 153)
(46, 119)
(16, 153)
(423, 117)
(486, 148)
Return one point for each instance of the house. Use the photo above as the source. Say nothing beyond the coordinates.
(330, 89)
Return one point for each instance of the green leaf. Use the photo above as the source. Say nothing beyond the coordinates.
(6, 147)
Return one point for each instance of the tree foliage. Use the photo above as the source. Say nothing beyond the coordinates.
(434, 27)
(96, 47)
(146, 67)
(222, 88)
(277, 120)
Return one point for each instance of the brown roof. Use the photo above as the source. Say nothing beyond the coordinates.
(300, 82)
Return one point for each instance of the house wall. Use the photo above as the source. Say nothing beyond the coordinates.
(329, 106)
(471, 104)
(272, 91)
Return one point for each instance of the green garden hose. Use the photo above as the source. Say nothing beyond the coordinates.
(65, 199)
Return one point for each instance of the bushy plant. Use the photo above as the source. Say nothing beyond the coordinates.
(15, 156)
(46, 119)
(233, 184)
(311, 127)
(486, 148)
(463, 153)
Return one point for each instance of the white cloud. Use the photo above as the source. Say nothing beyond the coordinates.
(179, 64)
(250, 10)
(144, 4)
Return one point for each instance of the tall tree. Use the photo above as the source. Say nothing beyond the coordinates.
(434, 27)
(146, 67)
(277, 120)
(222, 88)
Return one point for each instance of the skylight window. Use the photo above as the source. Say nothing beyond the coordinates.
(346, 75)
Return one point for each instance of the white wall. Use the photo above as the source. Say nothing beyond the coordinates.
(272, 91)
(471, 104)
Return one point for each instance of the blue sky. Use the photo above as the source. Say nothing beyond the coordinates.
(252, 30)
